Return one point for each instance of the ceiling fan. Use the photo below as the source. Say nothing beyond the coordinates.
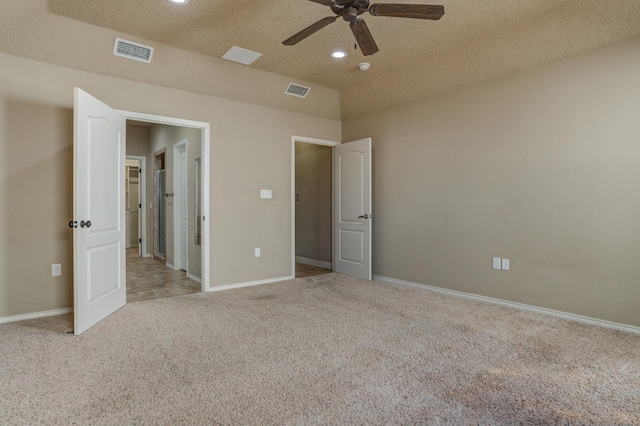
(351, 9)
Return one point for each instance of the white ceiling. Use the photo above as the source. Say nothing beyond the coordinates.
(476, 40)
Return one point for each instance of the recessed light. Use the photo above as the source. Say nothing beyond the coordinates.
(338, 54)
(179, 1)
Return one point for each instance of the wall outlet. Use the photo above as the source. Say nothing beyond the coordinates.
(56, 270)
(505, 264)
(257, 252)
(496, 263)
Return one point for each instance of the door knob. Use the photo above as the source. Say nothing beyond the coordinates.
(364, 216)
(84, 224)
(73, 224)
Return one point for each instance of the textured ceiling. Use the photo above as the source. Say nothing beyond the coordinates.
(476, 40)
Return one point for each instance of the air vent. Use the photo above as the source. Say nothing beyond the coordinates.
(297, 90)
(131, 50)
(241, 56)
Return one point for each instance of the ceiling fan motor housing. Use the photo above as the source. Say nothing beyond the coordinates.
(350, 9)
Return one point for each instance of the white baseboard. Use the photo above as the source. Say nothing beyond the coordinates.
(169, 265)
(33, 315)
(249, 284)
(194, 278)
(544, 311)
(314, 262)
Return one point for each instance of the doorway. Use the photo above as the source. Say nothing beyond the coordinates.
(135, 204)
(312, 246)
(175, 266)
(99, 254)
(351, 248)
(160, 196)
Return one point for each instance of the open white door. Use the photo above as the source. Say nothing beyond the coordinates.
(352, 208)
(98, 208)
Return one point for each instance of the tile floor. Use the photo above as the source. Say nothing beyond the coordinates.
(303, 270)
(149, 279)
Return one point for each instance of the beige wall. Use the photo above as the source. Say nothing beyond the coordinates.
(541, 167)
(313, 211)
(250, 150)
(36, 180)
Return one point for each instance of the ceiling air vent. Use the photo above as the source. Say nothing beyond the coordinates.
(131, 50)
(241, 56)
(297, 90)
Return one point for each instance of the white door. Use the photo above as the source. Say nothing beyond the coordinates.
(183, 210)
(352, 208)
(98, 207)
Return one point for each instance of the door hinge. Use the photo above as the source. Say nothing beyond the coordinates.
(140, 171)
(139, 240)
(140, 205)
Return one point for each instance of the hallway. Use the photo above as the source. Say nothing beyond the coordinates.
(148, 279)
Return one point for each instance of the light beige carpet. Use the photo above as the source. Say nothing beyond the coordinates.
(320, 350)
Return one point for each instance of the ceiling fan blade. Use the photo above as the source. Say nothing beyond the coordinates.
(417, 11)
(309, 30)
(363, 37)
(324, 2)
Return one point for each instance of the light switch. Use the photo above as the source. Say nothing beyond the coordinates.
(265, 193)
(496, 263)
(505, 264)
(257, 252)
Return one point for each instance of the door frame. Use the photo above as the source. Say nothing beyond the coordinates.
(205, 129)
(142, 197)
(312, 141)
(177, 206)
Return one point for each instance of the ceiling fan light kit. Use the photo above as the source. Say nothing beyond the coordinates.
(350, 10)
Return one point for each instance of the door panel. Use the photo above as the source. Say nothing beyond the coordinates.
(99, 197)
(352, 205)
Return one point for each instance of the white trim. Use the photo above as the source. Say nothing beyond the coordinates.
(177, 201)
(169, 265)
(142, 198)
(516, 305)
(314, 262)
(313, 141)
(148, 256)
(206, 173)
(250, 283)
(33, 315)
(194, 278)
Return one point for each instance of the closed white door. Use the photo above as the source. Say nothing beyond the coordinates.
(99, 210)
(183, 210)
(352, 208)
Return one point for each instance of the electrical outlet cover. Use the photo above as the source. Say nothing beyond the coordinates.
(505, 264)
